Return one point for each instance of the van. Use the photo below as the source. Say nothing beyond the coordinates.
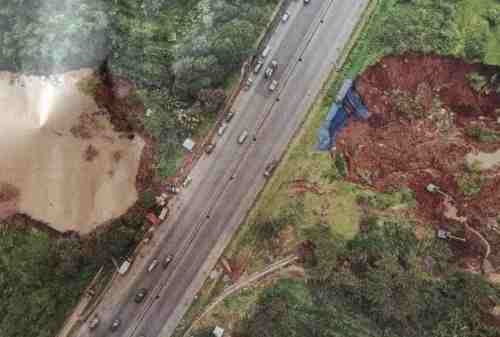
(266, 51)
(243, 137)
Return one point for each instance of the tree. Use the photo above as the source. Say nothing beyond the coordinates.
(233, 42)
(44, 37)
(211, 99)
(67, 252)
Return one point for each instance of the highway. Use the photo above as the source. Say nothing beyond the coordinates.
(206, 214)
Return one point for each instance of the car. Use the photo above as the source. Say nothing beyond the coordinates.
(248, 83)
(94, 322)
(152, 265)
(266, 51)
(258, 66)
(167, 261)
(141, 295)
(187, 181)
(306, 2)
(210, 148)
(229, 116)
(116, 323)
(285, 17)
(243, 137)
(270, 70)
(221, 129)
(273, 85)
(270, 168)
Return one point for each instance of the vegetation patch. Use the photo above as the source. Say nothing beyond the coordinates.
(471, 181)
(482, 134)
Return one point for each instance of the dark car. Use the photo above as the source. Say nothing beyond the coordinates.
(141, 295)
(116, 323)
(167, 261)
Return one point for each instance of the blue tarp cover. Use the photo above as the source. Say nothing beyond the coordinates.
(337, 118)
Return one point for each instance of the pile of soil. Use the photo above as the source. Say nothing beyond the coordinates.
(420, 109)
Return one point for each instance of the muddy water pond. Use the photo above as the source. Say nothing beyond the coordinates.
(72, 170)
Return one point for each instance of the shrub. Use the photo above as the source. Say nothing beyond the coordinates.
(340, 164)
(482, 134)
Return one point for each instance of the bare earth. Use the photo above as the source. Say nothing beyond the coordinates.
(68, 180)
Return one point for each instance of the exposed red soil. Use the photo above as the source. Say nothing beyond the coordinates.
(399, 147)
(302, 186)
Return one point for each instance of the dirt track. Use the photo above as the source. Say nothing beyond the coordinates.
(68, 179)
(421, 108)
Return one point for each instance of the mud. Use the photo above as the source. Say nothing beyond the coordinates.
(58, 147)
(420, 110)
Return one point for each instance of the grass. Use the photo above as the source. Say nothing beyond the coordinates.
(473, 14)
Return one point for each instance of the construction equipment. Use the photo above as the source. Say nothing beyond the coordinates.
(431, 188)
(446, 235)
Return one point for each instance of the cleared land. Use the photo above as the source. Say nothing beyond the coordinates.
(59, 150)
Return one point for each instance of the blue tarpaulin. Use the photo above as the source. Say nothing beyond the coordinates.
(349, 105)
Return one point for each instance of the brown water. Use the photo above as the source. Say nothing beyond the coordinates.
(46, 162)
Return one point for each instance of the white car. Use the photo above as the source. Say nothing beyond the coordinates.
(153, 265)
(221, 129)
(285, 17)
(258, 66)
(273, 85)
(243, 137)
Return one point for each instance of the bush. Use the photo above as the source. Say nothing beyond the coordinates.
(493, 16)
(89, 85)
(482, 134)
(340, 164)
